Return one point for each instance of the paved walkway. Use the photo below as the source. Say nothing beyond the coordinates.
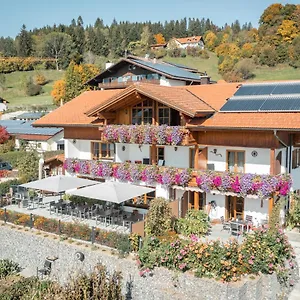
(294, 239)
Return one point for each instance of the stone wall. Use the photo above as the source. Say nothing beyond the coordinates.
(30, 249)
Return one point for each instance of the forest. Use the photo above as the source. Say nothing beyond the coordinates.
(239, 47)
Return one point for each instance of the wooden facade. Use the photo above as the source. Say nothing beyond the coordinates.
(82, 133)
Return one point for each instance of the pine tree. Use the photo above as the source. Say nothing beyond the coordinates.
(24, 43)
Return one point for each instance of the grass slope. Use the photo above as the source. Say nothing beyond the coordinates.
(209, 65)
(15, 94)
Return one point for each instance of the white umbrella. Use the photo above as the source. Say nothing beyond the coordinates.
(58, 184)
(112, 191)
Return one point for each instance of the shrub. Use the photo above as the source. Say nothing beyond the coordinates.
(12, 157)
(293, 218)
(40, 79)
(32, 89)
(195, 222)
(8, 146)
(8, 267)
(159, 217)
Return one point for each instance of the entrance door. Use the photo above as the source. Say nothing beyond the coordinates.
(197, 200)
(234, 208)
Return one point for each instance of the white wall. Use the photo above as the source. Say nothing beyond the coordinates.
(132, 152)
(171, 82)
(179, 158)
(283, 159)
(259, 164)
(80, 149)
(52, 142)
(252, 207)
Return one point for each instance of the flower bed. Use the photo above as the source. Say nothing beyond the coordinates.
(261, 251)
(145, 134)
(83, 232)
(207, 181)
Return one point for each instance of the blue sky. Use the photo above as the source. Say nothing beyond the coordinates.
(37, 13)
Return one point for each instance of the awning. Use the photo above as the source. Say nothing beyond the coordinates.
(58, 184)
(112, 191)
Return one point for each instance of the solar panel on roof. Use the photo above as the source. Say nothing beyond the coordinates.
(242, 105)
(281, 104)
(170, 70)
(269, 89)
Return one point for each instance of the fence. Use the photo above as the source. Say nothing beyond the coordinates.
(66, 230)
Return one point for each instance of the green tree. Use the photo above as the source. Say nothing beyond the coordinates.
(28, 165)
(58, 46)
(24, 43)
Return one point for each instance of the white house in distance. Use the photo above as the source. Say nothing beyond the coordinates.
(241, 141)
(191, 41)
(39, 139)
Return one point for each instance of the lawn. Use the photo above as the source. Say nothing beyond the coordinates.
(280, 72)
(209, 65)
(14, 90)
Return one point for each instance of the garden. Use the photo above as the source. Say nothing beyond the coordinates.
(97, 285)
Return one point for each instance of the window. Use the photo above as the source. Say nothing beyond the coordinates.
(296, 158)
(60, 147)
(142, 113)
(102, 150)
(160, 153)
(236, 161)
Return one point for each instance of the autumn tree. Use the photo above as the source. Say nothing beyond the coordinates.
(4, 136)
(59, 92)
(159, 38)
(74, 82)
(288, 30)
(210, 40)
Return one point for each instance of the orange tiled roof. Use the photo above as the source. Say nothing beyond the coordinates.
(189, 39)
(252, 120)
(60, 157)
(214, 95)
(178, 98)
(73, 112)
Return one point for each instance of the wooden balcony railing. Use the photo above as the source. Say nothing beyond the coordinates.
(242, 185)
(123, 84)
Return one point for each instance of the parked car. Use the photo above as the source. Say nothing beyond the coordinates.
(5, 166)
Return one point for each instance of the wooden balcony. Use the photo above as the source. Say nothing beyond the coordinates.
(120, 85)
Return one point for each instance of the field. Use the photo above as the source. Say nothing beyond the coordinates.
(14, 88)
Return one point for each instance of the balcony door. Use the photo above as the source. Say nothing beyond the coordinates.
(234, 208)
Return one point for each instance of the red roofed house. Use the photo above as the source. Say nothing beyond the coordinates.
(240, 141)
(191, 41)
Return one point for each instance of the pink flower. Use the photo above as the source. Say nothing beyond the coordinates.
(271, 266)
(182, 266)
(250, 261)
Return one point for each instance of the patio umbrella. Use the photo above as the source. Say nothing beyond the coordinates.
(58, 184)
(112, 191)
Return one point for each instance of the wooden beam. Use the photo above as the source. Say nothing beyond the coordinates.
(196, 200)
(272, 162)
(202, 159)
(153, 154)
(196, 157)
(271, 205)
(107, 115)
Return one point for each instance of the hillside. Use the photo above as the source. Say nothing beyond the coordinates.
(262, 73)
(14, 90)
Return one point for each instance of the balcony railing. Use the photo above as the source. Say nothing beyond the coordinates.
(123, 84)
(146, 134)
(242, 185)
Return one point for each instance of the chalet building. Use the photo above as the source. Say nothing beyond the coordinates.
(158, 46)
(231, 145)
(183, 43)
(134, 69)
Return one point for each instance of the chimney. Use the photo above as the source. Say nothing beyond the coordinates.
(108, 65)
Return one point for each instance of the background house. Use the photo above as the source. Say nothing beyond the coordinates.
(183, 43)
(3, 104)
(31, 138)
(136, 69)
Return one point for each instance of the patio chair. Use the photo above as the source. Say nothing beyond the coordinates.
(46, 270)
(52, 206)
(226, 225)
(235, 229)
(249, 221)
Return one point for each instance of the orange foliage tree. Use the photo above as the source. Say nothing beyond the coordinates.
(159, 38)
(288, 30)
(4, 136)
(59, 91)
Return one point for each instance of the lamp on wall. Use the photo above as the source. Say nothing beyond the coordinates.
(74, 141)
(175, 148)
(123, 148)
(140, 147)
(215, 152)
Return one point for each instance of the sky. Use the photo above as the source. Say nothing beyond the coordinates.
(39, 13)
